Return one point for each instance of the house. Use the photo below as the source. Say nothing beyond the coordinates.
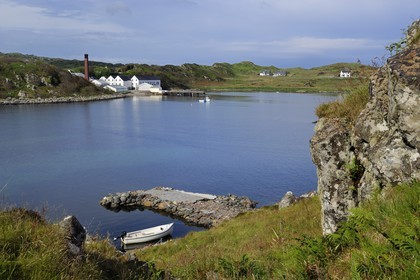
(280, 74)
(111, 80)
(265, 73)
(137, 80)
(123, 80)
(345, 73)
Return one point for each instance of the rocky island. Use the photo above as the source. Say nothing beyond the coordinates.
(200, 209)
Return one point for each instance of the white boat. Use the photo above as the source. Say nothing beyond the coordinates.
(207, 99)
(148, 234)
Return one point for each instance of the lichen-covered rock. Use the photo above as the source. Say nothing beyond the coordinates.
(75, 234)
(288, 199)
(330, 148)
(382, 149)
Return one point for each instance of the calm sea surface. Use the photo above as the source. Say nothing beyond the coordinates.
(65, 157)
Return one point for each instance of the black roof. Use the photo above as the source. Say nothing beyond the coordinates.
(141, 77)
(125, 77)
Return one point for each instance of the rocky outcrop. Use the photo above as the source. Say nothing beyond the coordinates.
(199, 209)
(75, 234)
(383, 147)
(289, 198)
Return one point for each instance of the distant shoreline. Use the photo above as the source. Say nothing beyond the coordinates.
(67, 99)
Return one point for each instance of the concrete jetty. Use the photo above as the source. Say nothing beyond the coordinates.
(200, 209)
(184, 92)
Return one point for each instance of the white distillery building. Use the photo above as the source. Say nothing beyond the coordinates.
(124, 81)
(137, 80)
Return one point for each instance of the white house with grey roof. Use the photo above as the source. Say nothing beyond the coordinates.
(345, 73)
(137, 80)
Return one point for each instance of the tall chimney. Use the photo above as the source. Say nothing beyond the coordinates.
(86, 67)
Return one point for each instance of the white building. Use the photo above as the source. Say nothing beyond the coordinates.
(345, 73)
(122, 80)
(265, 73)
(149, 88)
(280, 74)
(111, 80)
(137, 80)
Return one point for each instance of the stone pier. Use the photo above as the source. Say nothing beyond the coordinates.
(200, 209)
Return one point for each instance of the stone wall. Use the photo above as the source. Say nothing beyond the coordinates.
(382, 149)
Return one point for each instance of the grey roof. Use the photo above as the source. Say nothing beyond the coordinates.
(141, 77)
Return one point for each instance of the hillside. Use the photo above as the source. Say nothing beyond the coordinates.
(31, 77)
(241, 76)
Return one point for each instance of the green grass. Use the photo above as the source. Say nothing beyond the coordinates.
(256, 244)
(348, 108)
(380, 240)
(320, 79)
(31, 248)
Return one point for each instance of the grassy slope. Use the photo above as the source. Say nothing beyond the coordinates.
(381, 240)
(263, 236)
(320, 79)
(40, 79)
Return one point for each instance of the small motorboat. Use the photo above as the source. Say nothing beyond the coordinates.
(146, 235)
(207, 99)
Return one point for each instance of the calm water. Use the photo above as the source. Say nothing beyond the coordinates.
(66, 157)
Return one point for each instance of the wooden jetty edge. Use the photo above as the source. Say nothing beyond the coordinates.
(184, 92)
(200, 209)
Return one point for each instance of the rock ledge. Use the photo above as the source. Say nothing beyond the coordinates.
(200, 209)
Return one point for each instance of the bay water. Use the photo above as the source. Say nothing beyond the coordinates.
(61, 159)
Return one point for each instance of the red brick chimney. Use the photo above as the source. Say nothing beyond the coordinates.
(86, 67)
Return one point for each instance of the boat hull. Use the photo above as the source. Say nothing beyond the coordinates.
(147, 235)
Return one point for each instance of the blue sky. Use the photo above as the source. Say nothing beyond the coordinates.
(305, 33)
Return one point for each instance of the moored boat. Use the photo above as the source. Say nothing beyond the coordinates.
(206, 99)
(146, 235)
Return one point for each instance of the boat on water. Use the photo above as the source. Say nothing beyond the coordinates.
(207, 99)
(146, 235)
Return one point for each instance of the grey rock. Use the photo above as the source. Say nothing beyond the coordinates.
(75, 234)
(382, 149)
(288, 199)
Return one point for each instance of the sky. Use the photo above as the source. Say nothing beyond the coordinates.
(282, 33)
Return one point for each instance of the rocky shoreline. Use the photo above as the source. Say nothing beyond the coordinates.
(67, 99)
(199, 209)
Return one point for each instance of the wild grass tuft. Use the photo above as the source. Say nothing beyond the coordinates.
(348, 108)
(31, 248)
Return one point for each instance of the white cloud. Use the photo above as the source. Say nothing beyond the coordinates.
(25, 17)
(305, 45)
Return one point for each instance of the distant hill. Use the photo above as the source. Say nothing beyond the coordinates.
(242, 76)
